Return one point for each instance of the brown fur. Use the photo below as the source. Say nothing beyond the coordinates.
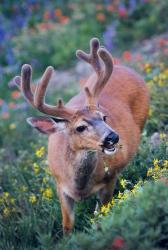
(77, 159)
(125, 101)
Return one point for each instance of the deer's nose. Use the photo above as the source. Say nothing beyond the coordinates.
(111, 139)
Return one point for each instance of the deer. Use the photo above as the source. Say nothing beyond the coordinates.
(95, 135)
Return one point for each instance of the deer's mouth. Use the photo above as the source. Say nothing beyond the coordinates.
(109, 150)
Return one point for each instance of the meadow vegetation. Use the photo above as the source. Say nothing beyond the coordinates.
(30, 216)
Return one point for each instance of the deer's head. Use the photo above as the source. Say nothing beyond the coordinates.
(86, 127)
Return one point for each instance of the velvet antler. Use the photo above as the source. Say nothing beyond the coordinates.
(37, 100)
(103, 73)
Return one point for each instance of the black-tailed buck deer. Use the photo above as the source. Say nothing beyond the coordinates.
(83, 152)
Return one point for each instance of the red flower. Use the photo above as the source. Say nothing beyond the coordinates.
(110, 8)
(64, 19)
(122, 12)
(118, 243)
(15, 94)
(100, 17)
(127, 56)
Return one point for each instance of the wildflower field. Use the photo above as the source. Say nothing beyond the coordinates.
(48, 33)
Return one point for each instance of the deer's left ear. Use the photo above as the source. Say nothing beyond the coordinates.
(46, 125)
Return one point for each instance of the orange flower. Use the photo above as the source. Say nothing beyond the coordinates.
(15, 94)
(58, 13)
(46, 15)
(127, 56)
(100, 17)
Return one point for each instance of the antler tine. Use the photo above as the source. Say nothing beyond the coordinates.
(108, 62)
(91, 58)
(26, 73)
(103, 74)
(39, 96)
(37, 100)
(17, 81)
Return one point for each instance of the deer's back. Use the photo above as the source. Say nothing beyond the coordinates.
(124, 93)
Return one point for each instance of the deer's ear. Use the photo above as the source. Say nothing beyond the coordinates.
(46, 125)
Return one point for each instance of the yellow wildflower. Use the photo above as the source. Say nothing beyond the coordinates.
(40, 152)
(5, 196)
(123, 183)
(36, 168)
(155, 162)
(105, 209)
(120, 195)
(150, 171)
(12, 126)
(165, 163)
(32, 199)
(147, 67)
(113, 202)
(6, 212)
(47, 193)
(162, 136)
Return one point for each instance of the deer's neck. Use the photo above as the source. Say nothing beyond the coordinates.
(84, 162)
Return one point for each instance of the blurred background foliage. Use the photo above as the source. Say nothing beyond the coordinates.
(46, 33)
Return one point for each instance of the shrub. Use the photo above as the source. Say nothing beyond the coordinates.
(139, 222)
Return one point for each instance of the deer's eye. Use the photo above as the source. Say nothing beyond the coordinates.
(80, 129)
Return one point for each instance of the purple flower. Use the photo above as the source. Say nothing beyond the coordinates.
(2, 34)
(108, 36)
(132, 6)
(9, 56)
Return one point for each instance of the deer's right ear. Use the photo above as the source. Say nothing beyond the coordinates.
(46, 125)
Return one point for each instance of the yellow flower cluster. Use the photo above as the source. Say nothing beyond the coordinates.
(40, 152)
(7, 204)
(163, 136)
(159, 170)
(147, 67)
(32, 199)
(47, 193)
(161, 78)
(36, 168)
(121, 196)
(6, 212)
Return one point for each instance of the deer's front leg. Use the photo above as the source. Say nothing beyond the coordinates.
(106, 193)
(67, 209)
